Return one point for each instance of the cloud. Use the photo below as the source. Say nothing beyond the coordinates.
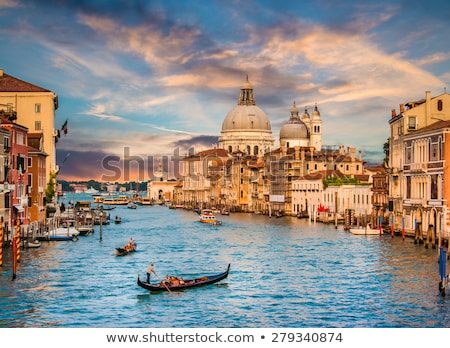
(8, 4)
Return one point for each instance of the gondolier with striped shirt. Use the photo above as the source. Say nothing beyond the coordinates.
(150, 270)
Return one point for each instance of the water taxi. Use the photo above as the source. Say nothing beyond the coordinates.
(207, 216)
(122, 200)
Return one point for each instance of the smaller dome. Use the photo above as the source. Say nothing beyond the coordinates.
(294, 129)
(305, 115)
(316, 113)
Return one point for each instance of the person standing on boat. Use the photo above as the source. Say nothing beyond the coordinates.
(150, 270)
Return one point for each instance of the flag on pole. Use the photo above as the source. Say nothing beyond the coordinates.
(64, 128)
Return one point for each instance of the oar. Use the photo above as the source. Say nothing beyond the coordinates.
(163, 283)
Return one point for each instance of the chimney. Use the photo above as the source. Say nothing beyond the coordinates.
(393, 113)
(402, 108)
(1, 72)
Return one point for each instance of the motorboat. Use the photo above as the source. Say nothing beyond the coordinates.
(207, 216)
(365, 230)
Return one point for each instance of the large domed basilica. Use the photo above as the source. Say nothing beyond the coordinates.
(246, 127)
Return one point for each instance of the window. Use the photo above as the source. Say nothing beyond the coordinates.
(408, 187)
(412, 123)
(6, 144)
(256, 150)
(37, 125)
(21, 163)
(30, 162)
(434, 187)
(439, 105)
(37, 108)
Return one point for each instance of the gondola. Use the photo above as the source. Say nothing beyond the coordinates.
(186, 284)
(126, 249)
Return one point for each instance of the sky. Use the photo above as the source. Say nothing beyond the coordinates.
(143, 82)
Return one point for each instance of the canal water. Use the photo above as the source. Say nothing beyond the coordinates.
(285, 272)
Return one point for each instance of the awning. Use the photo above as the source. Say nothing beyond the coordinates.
(19, 208)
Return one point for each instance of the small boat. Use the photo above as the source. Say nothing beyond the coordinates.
(33, 244)
(59, 234)
(184, 284)
(85, 229)
(365, 231)
(118, 220)
(132, 206)
(207, 216)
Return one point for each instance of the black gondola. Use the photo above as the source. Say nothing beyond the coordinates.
(185, 284)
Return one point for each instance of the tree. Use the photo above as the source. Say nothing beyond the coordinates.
(386, 153)
(50, 190)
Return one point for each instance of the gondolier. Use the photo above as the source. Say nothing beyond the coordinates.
(150, 270)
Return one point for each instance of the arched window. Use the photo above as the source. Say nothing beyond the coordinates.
(230, 149)
(439, 105)
(256, 150)
(248, 149)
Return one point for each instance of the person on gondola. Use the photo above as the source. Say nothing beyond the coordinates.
(150, 270)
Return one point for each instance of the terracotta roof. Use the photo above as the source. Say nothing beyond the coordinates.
(214, 152)
(9, 83)
(436, 125)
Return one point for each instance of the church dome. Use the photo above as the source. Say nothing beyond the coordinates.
(316, 113)
(246, 115)
(246, 127)
(294, 129)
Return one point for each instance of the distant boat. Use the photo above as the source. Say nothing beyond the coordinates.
(91, 190)
(365, 230)
(207, 216)
(122, 200)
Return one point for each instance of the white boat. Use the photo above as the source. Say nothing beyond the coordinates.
(33, 244)
(59, 233)
(207, 216)
(91, 190)
(365, 230)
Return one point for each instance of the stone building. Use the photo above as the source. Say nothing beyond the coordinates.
(33, 107)
(418, 151)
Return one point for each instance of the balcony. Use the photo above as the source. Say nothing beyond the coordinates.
(419, 167)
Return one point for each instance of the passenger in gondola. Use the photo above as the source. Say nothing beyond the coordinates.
(167, 280)
(174, 281)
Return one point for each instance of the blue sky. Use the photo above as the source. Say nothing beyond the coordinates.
(154, 78)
